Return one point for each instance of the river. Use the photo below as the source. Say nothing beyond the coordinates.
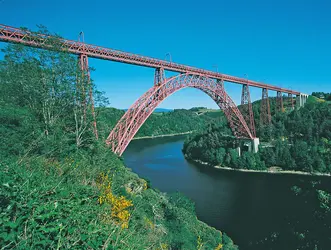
(247, 206)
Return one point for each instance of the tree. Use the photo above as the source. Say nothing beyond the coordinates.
(51, 86)
(234, 158)
(220, 155)
(268, 155)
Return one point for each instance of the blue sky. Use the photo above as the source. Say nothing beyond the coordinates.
(285, 43)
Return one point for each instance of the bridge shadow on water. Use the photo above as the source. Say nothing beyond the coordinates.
(247, 206)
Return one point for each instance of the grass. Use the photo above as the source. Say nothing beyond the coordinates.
(314, 99)
(69, 203)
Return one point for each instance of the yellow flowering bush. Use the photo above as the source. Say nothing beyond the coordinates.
(199, 243)
(119, 205)
(145, 185)
(164, 246)
(219, 247)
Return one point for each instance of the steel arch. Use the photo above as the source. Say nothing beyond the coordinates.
(136, 115)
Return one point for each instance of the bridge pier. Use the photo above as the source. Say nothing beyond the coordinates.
(265, 115)
(279, 102)
(290, 97)
(239, 151)
(255, 145)
(252, 145)
(301, 99)
(159, 76)
(83, 63)
(247, 109)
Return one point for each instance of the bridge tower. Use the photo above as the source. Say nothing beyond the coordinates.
(86, 80)
(279, 102)
(247, 109)
(265, 115)
(159, 76)
(291, 101)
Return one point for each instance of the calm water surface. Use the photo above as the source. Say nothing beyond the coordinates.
(247, 206)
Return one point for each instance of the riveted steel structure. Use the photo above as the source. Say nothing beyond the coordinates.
(159, 76)
(279, 102)
(220, 82)
(291, 101)
(265, 117)
(15, 35)
(136, 115)
(210, 82)
(246, 108)
(83, 62)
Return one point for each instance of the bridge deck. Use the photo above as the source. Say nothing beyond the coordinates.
(15, 35)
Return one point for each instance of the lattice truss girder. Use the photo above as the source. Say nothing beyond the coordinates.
(83, 64)
(136, 115)
(15, 35)
(265, 115)
(247, 109)
(291, 101)
(279, 102)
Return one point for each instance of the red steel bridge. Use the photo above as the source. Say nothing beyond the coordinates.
(212, 83)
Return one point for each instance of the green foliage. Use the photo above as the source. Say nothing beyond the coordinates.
(297, 141)
(58, 212)
(322, 95)
(46, 89)
(18, 130)
(177, 121)
(217, 146)
(62, 211)
(213, 138)
(51, 164)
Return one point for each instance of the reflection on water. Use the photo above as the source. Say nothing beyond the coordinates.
(247, 206)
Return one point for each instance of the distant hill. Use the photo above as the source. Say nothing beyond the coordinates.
(162, 122)
(158, 110)
(161, 110)
(322, 95)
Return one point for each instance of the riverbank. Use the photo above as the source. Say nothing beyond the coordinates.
(159, 136)
(270, 170)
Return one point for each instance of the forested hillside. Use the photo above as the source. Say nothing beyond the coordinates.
(322, 95)
(177, 121)
(60, 187)
(299, 140)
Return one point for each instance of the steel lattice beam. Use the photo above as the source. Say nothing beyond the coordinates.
(159, 76)
(136, 115)
(220, 82)
(290, 97)
(247, 109)
(21, 36)
(279, 102)
(83, 62)
(265, 115)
